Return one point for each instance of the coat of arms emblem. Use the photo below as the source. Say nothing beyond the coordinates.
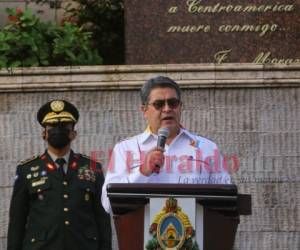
(171, 229)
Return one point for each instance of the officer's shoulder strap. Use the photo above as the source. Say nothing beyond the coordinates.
(84, 156)
(88, 158)
(27, 161)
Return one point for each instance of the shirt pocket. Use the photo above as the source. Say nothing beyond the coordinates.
(38, 189)
(87, 190)
(34, 238)
(87, 186)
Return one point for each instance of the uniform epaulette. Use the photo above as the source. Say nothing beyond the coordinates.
(93, 161)
(85, 156)
(24, 162)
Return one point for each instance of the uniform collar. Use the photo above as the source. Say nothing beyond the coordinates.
(54, 157)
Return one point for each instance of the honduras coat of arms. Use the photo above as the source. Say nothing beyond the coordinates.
(171, 229)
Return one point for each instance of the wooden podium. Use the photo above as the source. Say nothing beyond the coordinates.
(222, 207)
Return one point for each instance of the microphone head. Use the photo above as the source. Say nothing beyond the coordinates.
(163, 132)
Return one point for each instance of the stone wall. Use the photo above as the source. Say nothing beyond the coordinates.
(252, 112)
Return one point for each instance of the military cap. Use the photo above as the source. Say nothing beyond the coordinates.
(57, 111)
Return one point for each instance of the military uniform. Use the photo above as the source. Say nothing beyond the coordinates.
(57, 206)
(50, 210)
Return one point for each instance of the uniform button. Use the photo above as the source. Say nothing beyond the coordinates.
(65, 183)
(33, 240)
(66, 196)
(67, 223)
(39, 190)
(66, 209)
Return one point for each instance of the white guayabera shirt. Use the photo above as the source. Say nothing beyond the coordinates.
(189, 159)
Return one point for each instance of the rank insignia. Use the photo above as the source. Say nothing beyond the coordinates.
(74, 165)
(36, 174)
(28, 160)
(171, 229)
(28, 176)
(50, 167)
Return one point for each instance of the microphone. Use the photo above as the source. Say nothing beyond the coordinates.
(163, 134)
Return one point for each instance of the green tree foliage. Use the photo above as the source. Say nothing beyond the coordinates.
(26, 41)
(104, 19)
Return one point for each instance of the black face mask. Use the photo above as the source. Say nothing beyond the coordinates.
(58, 137)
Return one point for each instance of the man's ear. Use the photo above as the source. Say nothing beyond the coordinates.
(73, 134)
(44, 134)
(143, 109)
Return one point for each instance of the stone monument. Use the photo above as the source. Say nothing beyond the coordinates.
(212, 31)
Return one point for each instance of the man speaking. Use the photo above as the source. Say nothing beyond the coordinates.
(165, 152)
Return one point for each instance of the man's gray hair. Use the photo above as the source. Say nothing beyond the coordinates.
(158, 82)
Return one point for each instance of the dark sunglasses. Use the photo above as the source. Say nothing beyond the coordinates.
(173, 103)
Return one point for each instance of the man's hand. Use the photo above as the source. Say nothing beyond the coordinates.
(154, 159)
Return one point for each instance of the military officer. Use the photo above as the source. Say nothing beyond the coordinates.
(56, 197)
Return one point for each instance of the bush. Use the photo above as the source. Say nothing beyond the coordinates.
(26, 42)
(104, 18)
